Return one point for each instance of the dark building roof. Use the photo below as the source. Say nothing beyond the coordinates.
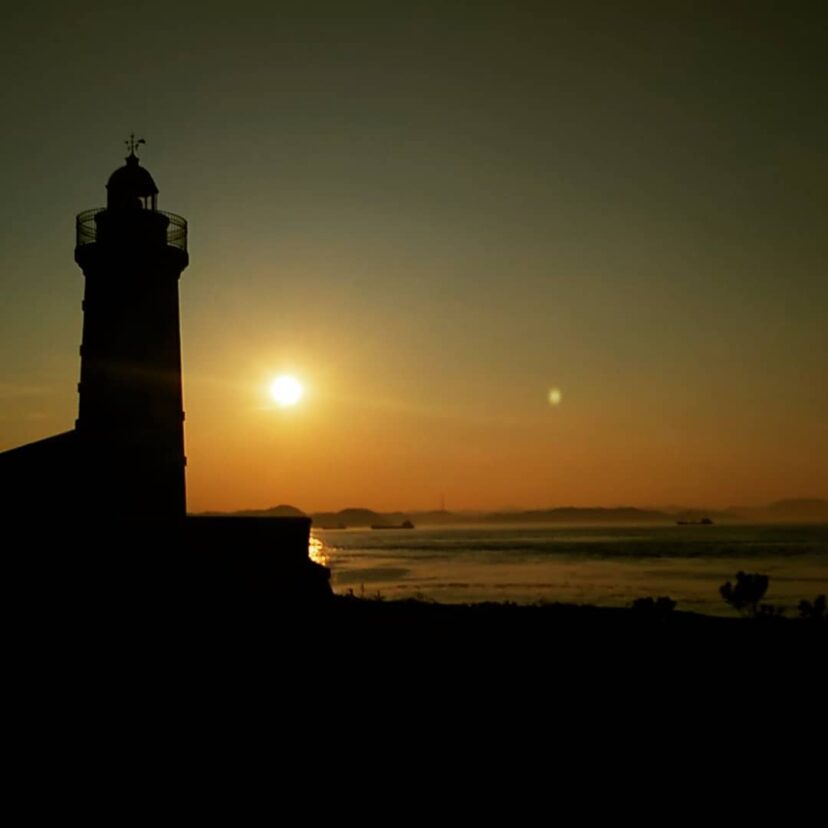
(41, 477)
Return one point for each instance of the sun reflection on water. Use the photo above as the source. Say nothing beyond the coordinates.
(317, 551)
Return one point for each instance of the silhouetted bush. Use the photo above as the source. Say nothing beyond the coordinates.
(813, 611)
(769, 611)
(745, 596)
(657, 608)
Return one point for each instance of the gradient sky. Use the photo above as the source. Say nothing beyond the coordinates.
(434, 213)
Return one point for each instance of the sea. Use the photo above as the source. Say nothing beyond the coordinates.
(599, 565)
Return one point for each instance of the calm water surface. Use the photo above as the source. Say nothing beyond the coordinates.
(609, 566)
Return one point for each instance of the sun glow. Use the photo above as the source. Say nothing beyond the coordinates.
(286, 390)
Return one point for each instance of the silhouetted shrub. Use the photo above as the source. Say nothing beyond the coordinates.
(657, 608)
(745, 596)
(813, 611)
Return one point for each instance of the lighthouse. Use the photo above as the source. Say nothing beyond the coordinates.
(130, 425)
(101, 510)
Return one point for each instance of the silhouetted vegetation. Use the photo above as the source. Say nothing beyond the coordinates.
(768, 611)
(813, 611)
(654, 607)
(745, 596)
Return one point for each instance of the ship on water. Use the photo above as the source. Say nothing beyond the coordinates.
(406, 524)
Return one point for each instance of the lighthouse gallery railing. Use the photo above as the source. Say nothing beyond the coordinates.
(87, 228)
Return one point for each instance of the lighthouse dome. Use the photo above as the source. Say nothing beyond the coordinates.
(131, 186)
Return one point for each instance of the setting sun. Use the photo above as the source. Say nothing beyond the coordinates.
(286, 390)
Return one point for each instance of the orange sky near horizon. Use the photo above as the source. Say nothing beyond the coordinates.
(391, 444)
(433, 216)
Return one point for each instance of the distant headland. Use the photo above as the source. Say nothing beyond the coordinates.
(802, 510)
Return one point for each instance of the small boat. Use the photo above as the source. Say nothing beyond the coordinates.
(406, 524)
(703, 522)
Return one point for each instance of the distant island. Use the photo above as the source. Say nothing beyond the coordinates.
(803, 510)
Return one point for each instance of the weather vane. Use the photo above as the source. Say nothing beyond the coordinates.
(133, 143)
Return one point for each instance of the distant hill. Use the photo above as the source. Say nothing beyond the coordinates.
(347, 518)
(812, 510)
(572, 514)
(355, 517)
(795, 510)
(695, 515)
(274, 511)
(802, 507)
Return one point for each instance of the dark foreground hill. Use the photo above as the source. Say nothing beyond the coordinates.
(349, 627)
(348, 667)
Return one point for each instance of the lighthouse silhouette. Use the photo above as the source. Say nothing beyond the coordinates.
(130, 418)
(113, 489)
(124, 461)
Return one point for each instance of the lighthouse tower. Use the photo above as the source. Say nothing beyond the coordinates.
(130, 421)
(111, 491)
